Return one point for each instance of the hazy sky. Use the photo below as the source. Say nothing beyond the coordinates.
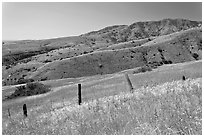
(49, 20)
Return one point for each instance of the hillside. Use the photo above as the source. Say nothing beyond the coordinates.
(106, 100)
(94, 52)
(104, 85)
(175, 48)
(141, 30)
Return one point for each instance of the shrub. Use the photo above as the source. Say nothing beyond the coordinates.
(7, 67)
(29, 89)
(85, 52)
(195, 55)
(22, 81)
(46, 61)
(43, 79)
(159, 49)
(154, 63)
(170, 62)
(142, 69)
(167, 62)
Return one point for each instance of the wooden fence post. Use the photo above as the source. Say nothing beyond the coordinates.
(9, 114)
(25, 110)
(79, 94)
(129, 83)
(183, 78)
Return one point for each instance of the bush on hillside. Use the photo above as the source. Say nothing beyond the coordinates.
(142, 69)
(46, 61)
(195, 55)
(167, 62)
(23, 81)
(30, 89)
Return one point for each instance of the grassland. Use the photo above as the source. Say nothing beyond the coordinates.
(173, 108)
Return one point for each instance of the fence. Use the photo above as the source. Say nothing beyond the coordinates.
(63, 104)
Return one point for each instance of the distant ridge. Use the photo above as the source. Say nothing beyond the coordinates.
(141, 30)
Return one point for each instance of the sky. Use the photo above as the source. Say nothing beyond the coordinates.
(38, 20)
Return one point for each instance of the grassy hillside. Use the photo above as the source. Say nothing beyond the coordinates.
(173, 108)
(129, 44)
(100, 86)
(175, 48)
(17, 54)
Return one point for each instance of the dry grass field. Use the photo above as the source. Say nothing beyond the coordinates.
(49, 112)
(172, 108)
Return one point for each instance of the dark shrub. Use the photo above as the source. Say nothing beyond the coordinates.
(43, 79)
(30, 89)
(160, 63)
(170, 62)
(195, 55)
(160, 50)
(166, 62)
(100, 65)
(23, 81)
(85, 52)
(7, 67)
(46, 61)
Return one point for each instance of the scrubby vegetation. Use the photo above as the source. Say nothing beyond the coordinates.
(14, 58)
(29, 89)
(23, 81)
(173, 108)
(142, 69)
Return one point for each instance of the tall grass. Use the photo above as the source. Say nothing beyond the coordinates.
(169, 109)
